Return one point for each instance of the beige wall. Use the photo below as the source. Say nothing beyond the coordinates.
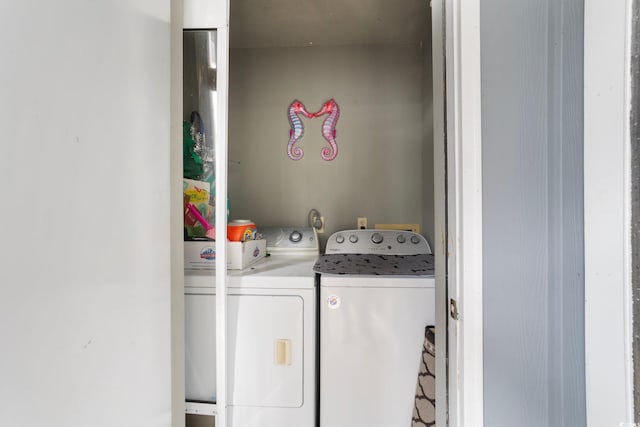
(380, 169)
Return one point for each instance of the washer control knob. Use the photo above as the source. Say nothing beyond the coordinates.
(353, 238)
(377, 238)
(401, 239)
(415, 240)
(295, 236)
(339, 238)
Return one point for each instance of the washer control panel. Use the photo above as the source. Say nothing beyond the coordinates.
(390, 242)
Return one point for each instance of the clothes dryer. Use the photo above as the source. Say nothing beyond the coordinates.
(271, 306)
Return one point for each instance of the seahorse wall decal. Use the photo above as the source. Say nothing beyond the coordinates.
(297, 129)
(329, 128)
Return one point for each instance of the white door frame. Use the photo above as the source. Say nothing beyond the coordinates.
(607, 190)
(608, 314)
(462, 207)
(440, 212)
(456, 37)
(177, 221)
(214, 14)
(221, 150)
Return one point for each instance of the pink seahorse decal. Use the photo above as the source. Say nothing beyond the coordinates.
(329, 128)
(297, 129)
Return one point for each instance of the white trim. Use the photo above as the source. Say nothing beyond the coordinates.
(465, 211)
(626, 223)
(204, 14)
(199, 408)
(608, 322)
(221, 133)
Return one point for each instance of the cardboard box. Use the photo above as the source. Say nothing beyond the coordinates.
(201, 255)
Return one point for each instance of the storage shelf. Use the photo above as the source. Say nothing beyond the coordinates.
(201, 408)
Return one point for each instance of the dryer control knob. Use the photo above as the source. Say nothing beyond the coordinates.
(339, 238)
(353, 238)
(401, 238)
(295, 236)
(415, 240)
(377, 238)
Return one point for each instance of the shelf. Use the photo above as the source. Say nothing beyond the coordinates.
(201, 408)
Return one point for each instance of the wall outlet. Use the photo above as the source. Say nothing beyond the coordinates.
(362, 222)
(321, 229)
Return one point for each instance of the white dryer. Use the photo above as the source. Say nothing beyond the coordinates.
(377, 295)
(271, 334)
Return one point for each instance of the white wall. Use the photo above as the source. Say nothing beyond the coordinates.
(381, 141)
(84, 184)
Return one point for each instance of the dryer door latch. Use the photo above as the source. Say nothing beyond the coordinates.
(282, 352)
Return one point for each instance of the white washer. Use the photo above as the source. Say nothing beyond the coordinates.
(377, 295)
(271, 334)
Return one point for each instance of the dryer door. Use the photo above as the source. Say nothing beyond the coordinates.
(265, 350)
(200, 345)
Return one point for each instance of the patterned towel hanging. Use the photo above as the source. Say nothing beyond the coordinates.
(424, 408)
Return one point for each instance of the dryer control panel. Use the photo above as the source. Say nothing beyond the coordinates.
(302, 240)
(381, 242)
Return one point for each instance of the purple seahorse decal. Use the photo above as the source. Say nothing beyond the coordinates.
(297, 129)
(329, 128)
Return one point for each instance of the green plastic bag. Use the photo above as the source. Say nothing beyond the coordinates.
(192, 163)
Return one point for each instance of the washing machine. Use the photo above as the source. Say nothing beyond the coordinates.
(377, 295)
(271, 306)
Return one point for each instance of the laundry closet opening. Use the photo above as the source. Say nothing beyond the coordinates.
(374, 59)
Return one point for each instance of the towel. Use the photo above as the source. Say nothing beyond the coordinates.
(424, 409)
